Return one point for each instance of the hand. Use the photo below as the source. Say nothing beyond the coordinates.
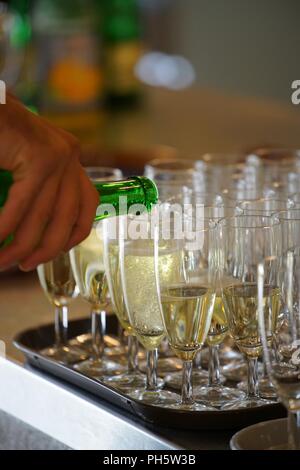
(51, 204)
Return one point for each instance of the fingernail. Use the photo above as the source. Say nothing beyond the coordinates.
(26, 268)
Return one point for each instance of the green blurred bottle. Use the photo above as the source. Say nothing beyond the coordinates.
(137, 189)
(69, 55)
(22, 45)
(121, 29)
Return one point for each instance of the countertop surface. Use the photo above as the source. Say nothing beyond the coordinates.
(195, 121)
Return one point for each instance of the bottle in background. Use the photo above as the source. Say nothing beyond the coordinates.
(18, 54)
(122, 49)
(69, 55)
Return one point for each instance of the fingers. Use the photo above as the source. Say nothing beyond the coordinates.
(31, 229)
(18, 203)
(61, 224)
(87, 211)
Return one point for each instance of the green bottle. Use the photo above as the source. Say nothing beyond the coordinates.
(69, 55)
(21, 42)
(121, 31)
(115, 197)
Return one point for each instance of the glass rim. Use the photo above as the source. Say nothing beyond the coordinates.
(262, 152)
(292, 210)
(107, 169)
(264, 199)
(158, 164)
(273, 219)
(222, 159)
(213, 224)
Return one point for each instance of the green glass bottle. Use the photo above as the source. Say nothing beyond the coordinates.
(5, 183)
(21, 42)
(121, 31)
(69, 55)
(115, 197)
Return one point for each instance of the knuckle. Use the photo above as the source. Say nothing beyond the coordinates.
(45, 254)
(82, 231)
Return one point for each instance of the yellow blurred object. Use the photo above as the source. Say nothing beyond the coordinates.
(86, 82)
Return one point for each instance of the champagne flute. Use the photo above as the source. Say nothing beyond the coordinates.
(266, 206)
(187, 297)
(131, 379)
(281, 340)
(88, 267)
(98, 174)
(139, 291)
(59, 285)
(170, 175)
(245, 241)
(219, 171)
(215, 393)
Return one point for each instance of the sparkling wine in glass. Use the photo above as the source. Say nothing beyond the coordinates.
(187, 298)
(131, 379)
(244, 241)
(139, 290)
(88, 267)
(57, 280)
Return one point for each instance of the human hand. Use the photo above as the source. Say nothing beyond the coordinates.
(51, 204)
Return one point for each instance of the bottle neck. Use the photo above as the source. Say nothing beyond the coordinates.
(115, 197)
(118, 197)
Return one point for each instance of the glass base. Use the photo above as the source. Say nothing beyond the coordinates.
(194, 406)
(65, 354)
(100, 367)
(200, 378)
(265, 388)
(127, 382)
(235, 371)
(165, 365)
(113, 347)
(226, 356)
(156, 397)
(217, 395)
(174, 380)
(247, 403)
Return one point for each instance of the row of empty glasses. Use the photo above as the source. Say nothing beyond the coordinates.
(201, 298)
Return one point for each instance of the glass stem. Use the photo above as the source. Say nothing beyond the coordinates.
(133, 349)
(197, 361)
(152, 370)
(98, 328)
(265, 372)
(213, 366)
(61, 325)
(121, 336)
(294, 430)
(187, 385)
(252, 377)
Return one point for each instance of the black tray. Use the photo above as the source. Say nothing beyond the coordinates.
(30, 342)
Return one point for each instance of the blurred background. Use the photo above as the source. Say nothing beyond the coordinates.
(135, 78)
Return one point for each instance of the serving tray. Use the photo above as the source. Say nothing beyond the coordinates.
(32, 341)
